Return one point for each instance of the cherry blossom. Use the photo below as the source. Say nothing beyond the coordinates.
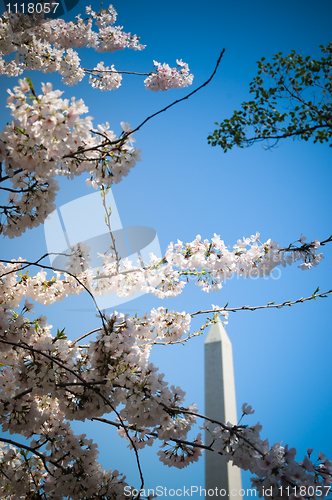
(47, 45)
(247, 409)
(105, 78)
(165, 78)
(79, 258)
(209, 263)
(48, 137)
(39, 399)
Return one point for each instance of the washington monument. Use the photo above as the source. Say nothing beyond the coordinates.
(220, 404)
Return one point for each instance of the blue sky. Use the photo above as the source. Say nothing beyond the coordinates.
(184, 187)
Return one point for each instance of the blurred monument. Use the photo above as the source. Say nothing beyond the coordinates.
(220, 404)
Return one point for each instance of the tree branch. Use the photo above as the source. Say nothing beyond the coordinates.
(34, 451)
(125, 135)
(21, 345)
(284, 135)
(153, 434)
(270, 305)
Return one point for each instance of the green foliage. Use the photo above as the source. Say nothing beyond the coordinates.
(305, 84)
(60, 335)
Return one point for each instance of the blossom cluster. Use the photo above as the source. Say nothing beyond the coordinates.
(47, 44)
(273, 466)
(104, 78)
(48, 381)
(113, 375)
(39, 398)
(209, 263)
(181, 455)
(165, 78)
(79, 258)
(114, 371)
(49, 137)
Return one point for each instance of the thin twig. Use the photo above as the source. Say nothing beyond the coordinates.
(95, 71)
(224, 426)
(183, 98)
(108, 224)
(124, 136)
(282, 136)
(270, 305)
(153, 434)
(33, 450)
(25, 264)
(305, 246)
(86, 335)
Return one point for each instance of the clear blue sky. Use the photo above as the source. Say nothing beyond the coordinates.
(184, 187)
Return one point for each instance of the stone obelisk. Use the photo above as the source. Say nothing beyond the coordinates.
(220, 404)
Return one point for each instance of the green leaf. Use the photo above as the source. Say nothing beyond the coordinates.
(30, 84)
(61, 334)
